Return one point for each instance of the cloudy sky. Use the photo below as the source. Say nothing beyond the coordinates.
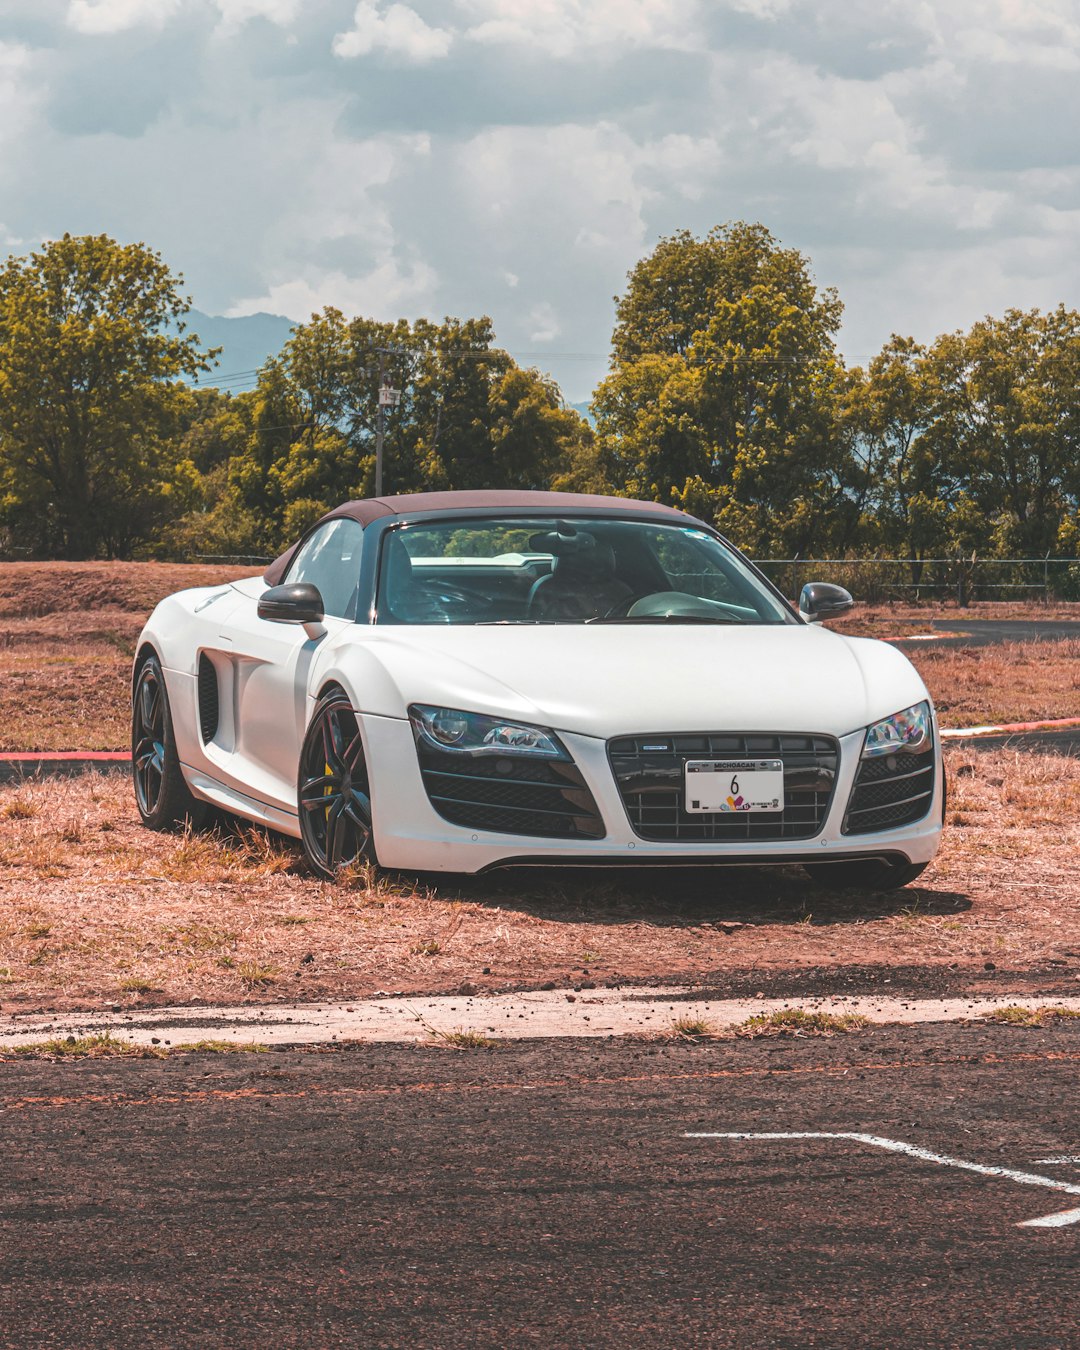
(516, 157)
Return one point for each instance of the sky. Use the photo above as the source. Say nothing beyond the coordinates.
(516, 158)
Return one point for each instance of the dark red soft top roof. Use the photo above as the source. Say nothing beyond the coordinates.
(372, 508)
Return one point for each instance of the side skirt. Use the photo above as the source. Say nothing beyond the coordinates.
(229, 799)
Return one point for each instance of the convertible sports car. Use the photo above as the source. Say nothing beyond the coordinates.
(465, 680)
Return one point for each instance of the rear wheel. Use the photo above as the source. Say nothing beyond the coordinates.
(162, 796)
(864, 874)
(333, 792)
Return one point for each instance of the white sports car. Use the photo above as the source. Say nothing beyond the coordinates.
(466, 680)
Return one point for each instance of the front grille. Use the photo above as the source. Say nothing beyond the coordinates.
(208, 699)
(890, 790)
(547, 799)
(650, 773)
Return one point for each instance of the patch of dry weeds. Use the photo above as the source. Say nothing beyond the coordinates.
(1006, 682)
(109, 912)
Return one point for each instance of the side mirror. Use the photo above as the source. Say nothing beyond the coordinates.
(299, 602)
(821, 600)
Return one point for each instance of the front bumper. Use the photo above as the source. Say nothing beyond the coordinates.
(411, 835)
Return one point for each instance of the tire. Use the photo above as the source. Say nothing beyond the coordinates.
(869, 874)
(333, 793)
(163, 798)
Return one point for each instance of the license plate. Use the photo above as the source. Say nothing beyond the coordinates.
(734, 785)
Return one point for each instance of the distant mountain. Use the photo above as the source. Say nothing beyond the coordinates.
(583, 409)
(246, 344)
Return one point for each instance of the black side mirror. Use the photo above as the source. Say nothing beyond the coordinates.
(299, 602)
(821, 600)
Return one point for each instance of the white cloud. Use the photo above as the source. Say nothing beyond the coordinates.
(385, 292)
(517, 157)
(400, 31)
(236, 13)
(19, 100)
(544, 324)
(565, 28)
(114, 16)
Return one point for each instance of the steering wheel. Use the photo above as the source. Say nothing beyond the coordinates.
(621, 608)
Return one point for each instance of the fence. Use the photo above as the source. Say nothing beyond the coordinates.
(966, 579)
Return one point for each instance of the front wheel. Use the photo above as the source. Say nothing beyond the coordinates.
(162, 796)
(863, 874)
(333, 792)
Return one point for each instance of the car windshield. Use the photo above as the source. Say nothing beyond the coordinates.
(558, 571)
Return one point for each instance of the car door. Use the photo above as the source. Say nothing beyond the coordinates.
(271, 664)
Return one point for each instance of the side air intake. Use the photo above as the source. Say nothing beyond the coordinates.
(208, 699)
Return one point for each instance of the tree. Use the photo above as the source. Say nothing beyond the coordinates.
(92, 346)
(723, 396)
(1007, 431)
(468, 417)
(887, 410)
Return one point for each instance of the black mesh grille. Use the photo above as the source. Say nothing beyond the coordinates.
(545, 799)
(208, 699)
(890, 790)
(650, 773)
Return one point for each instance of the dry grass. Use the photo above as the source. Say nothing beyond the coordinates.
(1008, 682)
(107, 1046)
(103, 1046)
(127, 915)
(67, 636)
(1015, 1015)
(798, 1022)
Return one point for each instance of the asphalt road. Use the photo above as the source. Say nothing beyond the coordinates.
(963, 632)
(546, 1195)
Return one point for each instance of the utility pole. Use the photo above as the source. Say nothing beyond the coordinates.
(388, 398)
(380, 426)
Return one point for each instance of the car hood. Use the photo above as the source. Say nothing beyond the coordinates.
(608, 680)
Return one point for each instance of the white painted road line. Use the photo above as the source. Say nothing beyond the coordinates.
(925, 1155)
(1059, 1220)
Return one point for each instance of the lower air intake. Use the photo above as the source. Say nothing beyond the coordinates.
(547, 799)
(889, 791)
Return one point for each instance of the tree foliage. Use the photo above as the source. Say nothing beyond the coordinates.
(468, 417)
(723, 393)
(726, 396)
(92, 345)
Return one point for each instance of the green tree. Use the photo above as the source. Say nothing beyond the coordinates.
(887, 410)
(1006, 436)
(92, 349)
(468, 418)
(724, 392)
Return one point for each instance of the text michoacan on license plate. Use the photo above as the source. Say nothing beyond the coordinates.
(734, 785)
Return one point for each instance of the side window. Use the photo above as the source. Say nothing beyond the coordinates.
(330, 560)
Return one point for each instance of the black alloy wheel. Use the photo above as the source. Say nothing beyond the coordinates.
(162, 796)
(333, 793)
(863, 874)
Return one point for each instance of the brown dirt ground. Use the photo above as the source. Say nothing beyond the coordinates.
(95, 910)
(68, 633)
(67, 637)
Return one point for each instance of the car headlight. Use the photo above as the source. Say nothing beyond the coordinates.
(910, 732)
(474, 734)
